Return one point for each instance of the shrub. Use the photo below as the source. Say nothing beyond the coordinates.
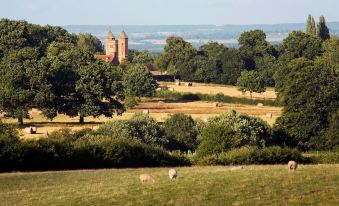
(140, 126)
(180, 131)
(232, 130)
(146, 129)
(215, 139)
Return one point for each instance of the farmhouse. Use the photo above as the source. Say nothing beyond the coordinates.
(116, 49)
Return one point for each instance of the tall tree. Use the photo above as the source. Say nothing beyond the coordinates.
(310, 26)
(322, 29)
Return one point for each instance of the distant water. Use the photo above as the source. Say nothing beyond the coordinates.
(153, 37)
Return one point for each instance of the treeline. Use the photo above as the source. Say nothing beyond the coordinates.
(47, 68)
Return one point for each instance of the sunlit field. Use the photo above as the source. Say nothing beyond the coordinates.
(253, 185)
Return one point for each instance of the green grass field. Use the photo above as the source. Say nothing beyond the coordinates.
(254, 185)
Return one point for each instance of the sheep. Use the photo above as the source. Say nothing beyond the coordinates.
(146, 178)
(172, 173)
(292, 166)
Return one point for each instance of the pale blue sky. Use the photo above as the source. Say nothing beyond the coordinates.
(164, 12)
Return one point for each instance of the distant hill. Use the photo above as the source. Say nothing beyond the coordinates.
(153, 37)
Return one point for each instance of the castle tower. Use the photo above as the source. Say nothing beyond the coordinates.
(111, 44)
(123, 46)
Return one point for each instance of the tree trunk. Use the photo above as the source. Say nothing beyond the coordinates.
(81, 119)
(20, 121)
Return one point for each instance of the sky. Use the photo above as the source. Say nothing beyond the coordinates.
(167, 12)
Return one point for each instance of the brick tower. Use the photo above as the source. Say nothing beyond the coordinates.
(111, 45)
(123, 46)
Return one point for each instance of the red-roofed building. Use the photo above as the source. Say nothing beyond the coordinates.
(116, 50)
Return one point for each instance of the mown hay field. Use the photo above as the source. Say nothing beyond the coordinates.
(158, 108)
(213, 89)
(215, 185)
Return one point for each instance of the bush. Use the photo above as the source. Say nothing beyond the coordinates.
(180, 131)
(215, 139)
(140, 126)
(253, 155)
(233, 130)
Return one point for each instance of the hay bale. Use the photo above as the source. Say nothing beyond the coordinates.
(30, 130)
(177, 82)
(145, 111)
(219, 104)
(260, 105)
(269, 115)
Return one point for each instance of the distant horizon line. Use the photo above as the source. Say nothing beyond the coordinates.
(258, 24)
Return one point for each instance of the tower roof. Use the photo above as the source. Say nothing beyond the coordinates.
(110, 35)
(123, 35)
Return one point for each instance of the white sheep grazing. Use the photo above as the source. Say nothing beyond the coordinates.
(172, 173)
(146, 178)
(292, 166)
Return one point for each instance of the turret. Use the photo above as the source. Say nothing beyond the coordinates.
(123, 46)
(110, 44)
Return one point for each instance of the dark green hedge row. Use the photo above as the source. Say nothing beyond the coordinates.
(213, 98)
(80, 153)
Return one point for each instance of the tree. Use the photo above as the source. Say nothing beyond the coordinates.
(322, 30)
(89, 43)
(176, 51)
(181, 132)
(296, 45)
(331, 52)
(17, 91)
(310, 26)
(98, 91)
(299, 44)
(144, 57)
(251, 81)
(232, 65)
(138, 82)
(310, 96)
(253, 44)
(266, 67)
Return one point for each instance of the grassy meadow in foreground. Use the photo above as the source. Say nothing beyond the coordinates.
(254, 185)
